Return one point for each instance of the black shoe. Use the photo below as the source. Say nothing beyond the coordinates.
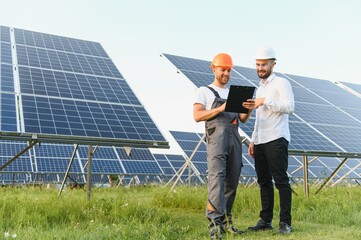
(261, 225)
(284, 228)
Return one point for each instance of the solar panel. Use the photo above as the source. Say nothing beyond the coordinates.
(353, 86)
(320, 167)
(326, 118)
(188, 142)
(54, 158)
(12, 178)
(104, 160)
(48, 162)
(68, 91)
(8, 118)
(141, 167)
(166, 165)
(9, 149)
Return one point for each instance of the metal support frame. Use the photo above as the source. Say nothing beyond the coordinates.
(328, 180)
(89, 176)
(351, 170)
(18, 155)
(185, 165)
(305, 176)
(68, 169)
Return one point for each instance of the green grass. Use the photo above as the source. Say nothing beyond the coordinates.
(150, 212)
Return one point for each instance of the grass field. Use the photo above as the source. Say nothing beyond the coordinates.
(150, 212)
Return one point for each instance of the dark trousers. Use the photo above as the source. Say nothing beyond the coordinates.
(271, 161)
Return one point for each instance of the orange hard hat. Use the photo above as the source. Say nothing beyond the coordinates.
(222, 60)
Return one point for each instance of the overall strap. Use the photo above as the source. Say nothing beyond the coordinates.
(214, 91)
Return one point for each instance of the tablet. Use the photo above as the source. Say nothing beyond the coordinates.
(237, 95)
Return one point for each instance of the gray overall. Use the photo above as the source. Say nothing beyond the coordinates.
(224, 157)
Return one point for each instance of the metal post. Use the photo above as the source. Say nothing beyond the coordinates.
(351, 170)
(305, 175)
(68, 169)
(332, 175)
(89, 176)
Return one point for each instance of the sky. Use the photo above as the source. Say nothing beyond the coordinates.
(319, 39)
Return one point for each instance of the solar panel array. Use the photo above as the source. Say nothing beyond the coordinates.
(68, 90)
(188, 142)
(327, 118)
(320, 167)
(49, 162)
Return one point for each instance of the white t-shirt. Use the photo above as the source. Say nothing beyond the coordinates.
(206, 97)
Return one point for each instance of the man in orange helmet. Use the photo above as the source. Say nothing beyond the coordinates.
(224, 146)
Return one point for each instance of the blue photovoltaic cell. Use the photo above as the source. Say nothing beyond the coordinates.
(177, 161)
(184, 63)
(76, 86)
(140, 161)
(105, 153)
(11, 148)
(64, 61)
(353, 86)
(8, 110)
(5, 53)
(135, 154)
(104, 160)
(141, 167)
(4, 34)
(202, 167)
(199, 160)
(348, 137)
(199, 156)
(331, 93)
(55, 158)
(248, 171)
(54, 150)
(91, 119)
(8, 149)
(165, 162)
(303, 95)
(7, 78)
(303, 137)
(340, 99)
(325, 114)
(56, 165)
(104, 166)
(247, 73)
(59, 43)
(202, 79)
(13, 178)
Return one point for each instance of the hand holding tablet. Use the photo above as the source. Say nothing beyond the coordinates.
(237, 96)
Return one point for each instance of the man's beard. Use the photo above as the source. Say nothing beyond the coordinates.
(265, 74)
(223, 79)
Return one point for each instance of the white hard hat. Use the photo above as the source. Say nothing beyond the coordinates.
(265, 52)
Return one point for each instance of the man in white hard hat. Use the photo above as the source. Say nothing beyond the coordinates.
(271, 136)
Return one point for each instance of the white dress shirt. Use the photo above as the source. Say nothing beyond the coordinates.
(272, 117)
